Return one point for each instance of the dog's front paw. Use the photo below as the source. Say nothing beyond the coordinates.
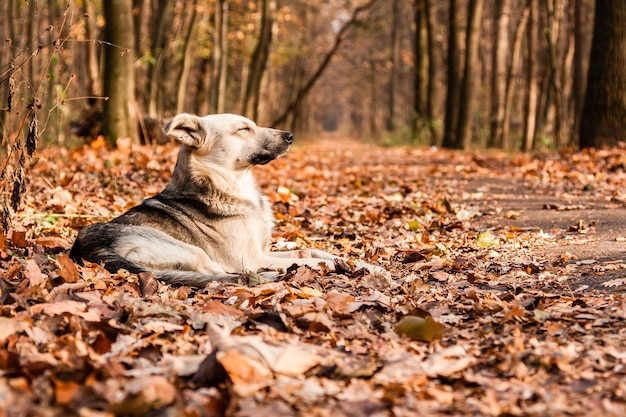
(372, 269)
(263, 277)
(320, 254)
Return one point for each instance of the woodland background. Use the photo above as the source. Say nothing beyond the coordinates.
(509, 74)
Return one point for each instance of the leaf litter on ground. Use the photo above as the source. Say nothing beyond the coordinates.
(483, 312)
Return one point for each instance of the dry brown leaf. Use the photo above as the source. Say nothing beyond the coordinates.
(10, 326)
(76, 308)
(67, 268)
(33, 273)
(447, 362)
(144, 394)
(617, 282)
(420, 328)
(54, 242)
(247, 374)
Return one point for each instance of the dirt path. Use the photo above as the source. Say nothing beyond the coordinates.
(590, 232)
(587, 223)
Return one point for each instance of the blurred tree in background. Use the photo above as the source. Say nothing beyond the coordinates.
(604, 114)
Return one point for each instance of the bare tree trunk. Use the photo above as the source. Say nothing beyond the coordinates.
(162, 10)
(421, 64)
(552, 36)
(33, 41)
(499, 72)
(216, 56)
(532, 89)
(181, 96)
(221, 88)
(7, 32)
(120, 118)
(141, 25)
(202, 87)
(453, 96)
(434, 67)
(220, 63)
(474, 12)
(510, 79)
(259, 60)
(566, 64)
(93, 69)
(395, 62)
(583, 20)
(603, 121)
(373, 97)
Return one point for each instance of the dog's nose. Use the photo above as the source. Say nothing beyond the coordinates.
(288, 137)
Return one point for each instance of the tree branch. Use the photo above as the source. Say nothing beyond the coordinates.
(339, 38)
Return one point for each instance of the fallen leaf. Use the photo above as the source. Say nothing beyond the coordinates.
(447, 362)
(247, 374)
(53, 242)
(76, 308)
(10, 326)
(33, 273)
(617, 282)
(487, 239)
(67, 268)
(418, 328)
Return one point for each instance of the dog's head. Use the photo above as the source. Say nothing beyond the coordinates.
(228, 140)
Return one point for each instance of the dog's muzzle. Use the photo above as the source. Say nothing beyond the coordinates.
(272, 148)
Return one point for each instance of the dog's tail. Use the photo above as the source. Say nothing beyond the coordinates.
(95, 244)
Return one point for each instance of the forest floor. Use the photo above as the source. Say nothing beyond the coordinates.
(506, 291)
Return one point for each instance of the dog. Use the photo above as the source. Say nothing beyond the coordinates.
(211, 222)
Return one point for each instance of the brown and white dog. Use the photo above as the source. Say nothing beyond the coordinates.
(211, 222)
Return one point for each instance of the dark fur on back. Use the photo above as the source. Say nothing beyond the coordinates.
(94, 245)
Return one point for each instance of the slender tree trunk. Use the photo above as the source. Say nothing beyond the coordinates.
(373, 97)
(259, 60)
(566, 65)
(221, 87)
(421, 63)
(120, 119)
(474, 12)
(142, 28)
(181, 95)
(93, 68)
(499, 72)
(216, 57)
(532, 79)
(395, 62)
(434, 68)
(583, 20)
(33, 41)
(603, 120)
(162, 10)
(7, 32)
(219, 65)
(510, 79)
(203, 87)
(453, 96)
(552, 36)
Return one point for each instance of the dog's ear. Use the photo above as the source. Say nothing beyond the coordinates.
(187, 129)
